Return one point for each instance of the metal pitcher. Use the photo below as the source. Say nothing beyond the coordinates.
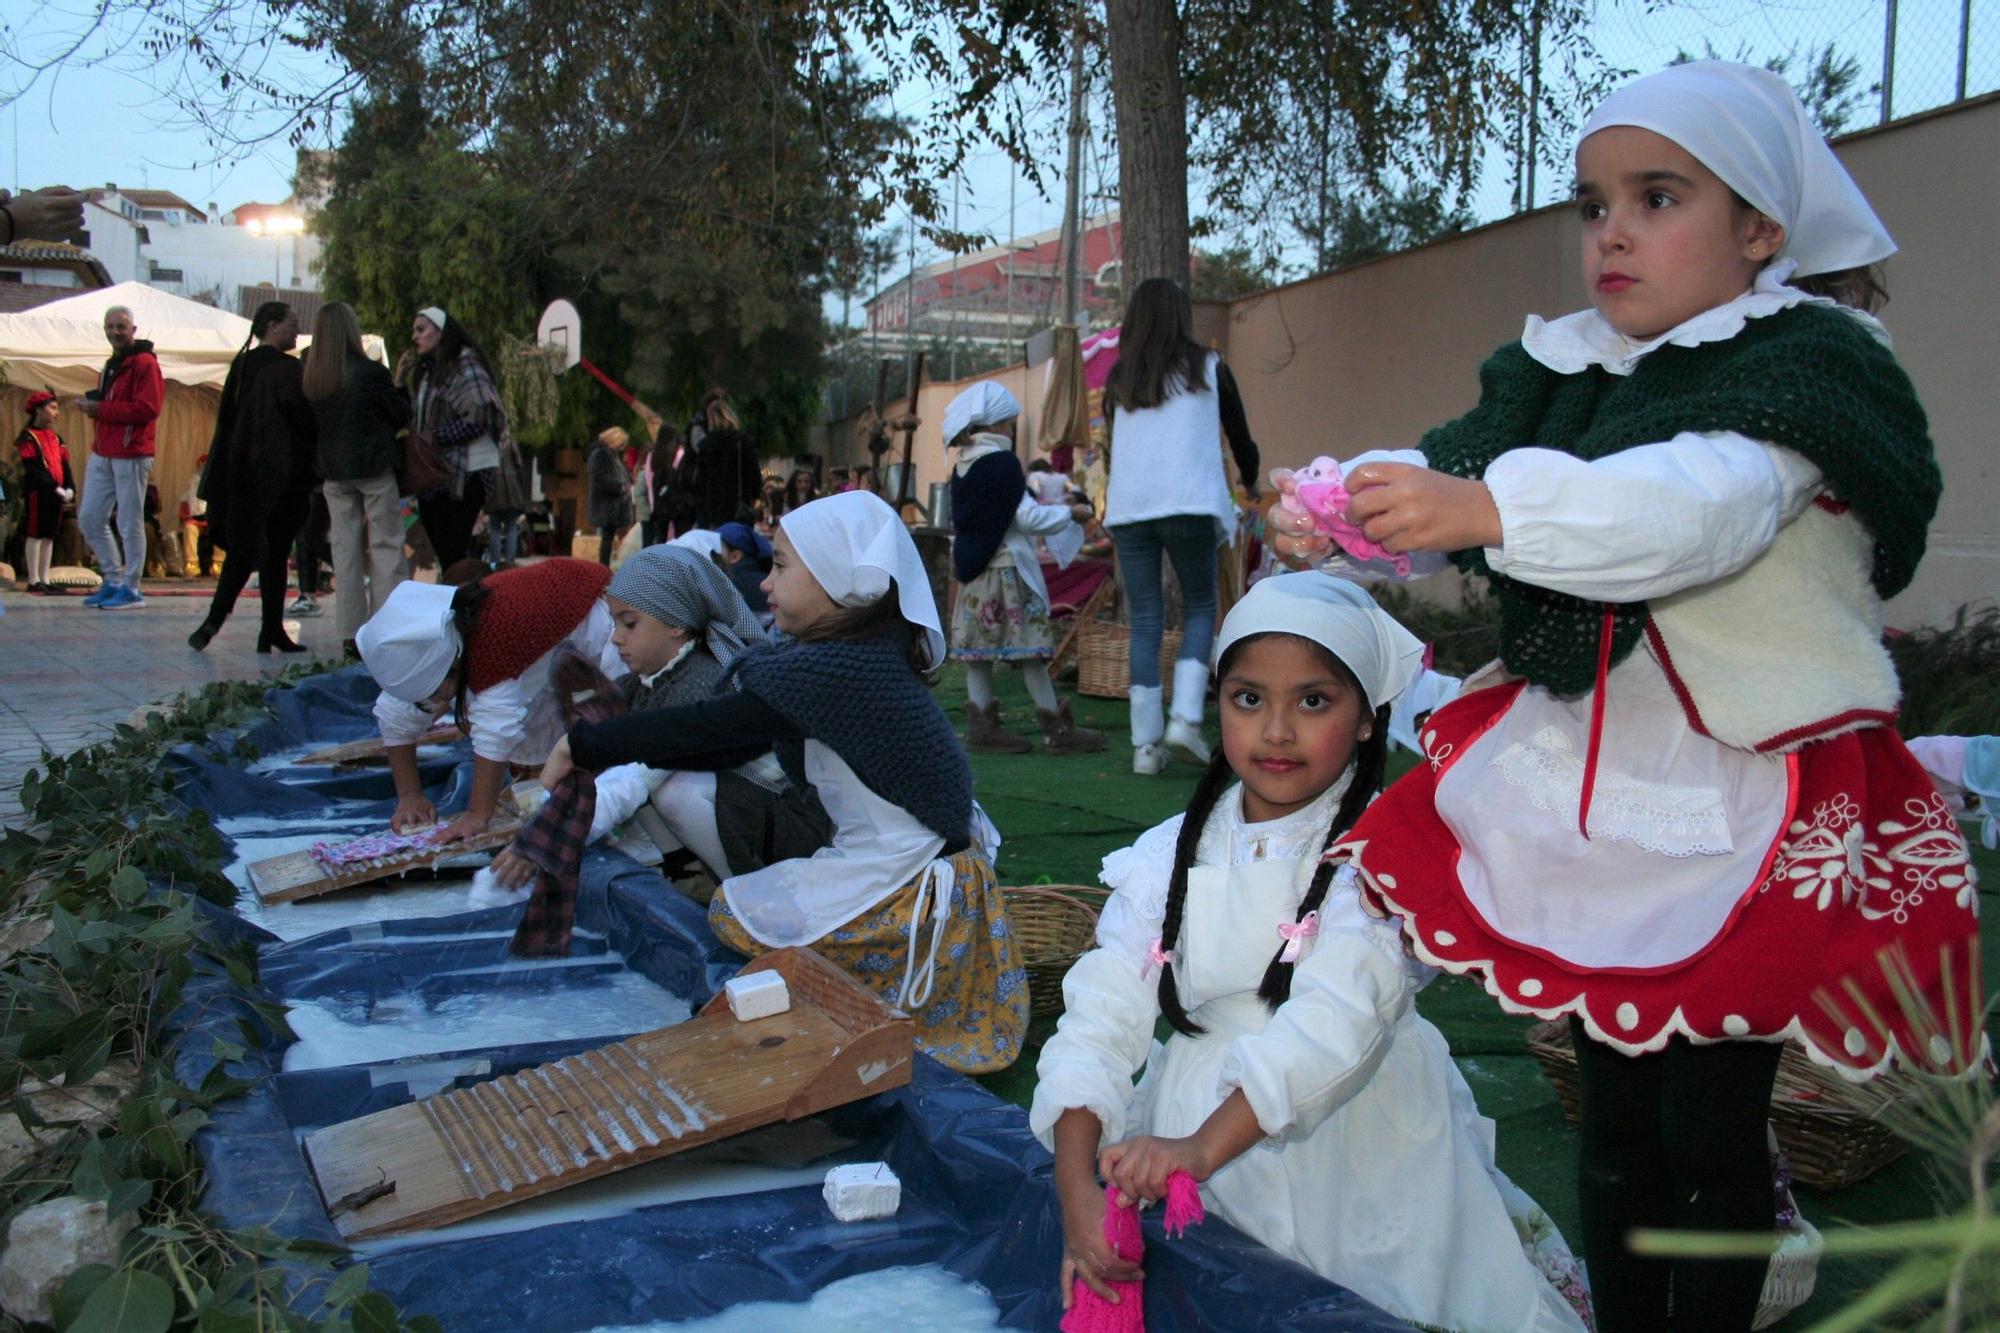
(940, 506)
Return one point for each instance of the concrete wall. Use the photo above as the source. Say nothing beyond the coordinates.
(1374, 355)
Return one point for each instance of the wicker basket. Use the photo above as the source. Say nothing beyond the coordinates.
(1824, 1123)
(1104, 659)
(1053, 926)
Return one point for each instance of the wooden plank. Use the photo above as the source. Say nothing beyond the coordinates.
(466, 1152)
(370, 750)
(296, 875)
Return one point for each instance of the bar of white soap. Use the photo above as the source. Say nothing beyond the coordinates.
(758, 995)
(863, 1192)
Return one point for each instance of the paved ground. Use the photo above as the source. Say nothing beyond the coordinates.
(69, 673)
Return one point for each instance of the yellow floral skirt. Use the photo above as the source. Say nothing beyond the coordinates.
(977, 1012)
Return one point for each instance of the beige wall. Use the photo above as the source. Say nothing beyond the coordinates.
(1372, 356)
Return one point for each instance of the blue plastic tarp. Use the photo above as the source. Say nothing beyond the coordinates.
(977, 1197)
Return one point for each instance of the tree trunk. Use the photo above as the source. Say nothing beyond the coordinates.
(1151, 106)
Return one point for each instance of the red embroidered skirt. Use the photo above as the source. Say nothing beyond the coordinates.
(1861, 939)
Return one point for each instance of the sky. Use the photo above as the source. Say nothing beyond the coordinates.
(103, 117)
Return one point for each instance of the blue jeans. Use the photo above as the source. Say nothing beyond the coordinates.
(1189, 542)
(503, 538)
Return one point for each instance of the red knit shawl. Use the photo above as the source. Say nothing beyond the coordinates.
(532, 609)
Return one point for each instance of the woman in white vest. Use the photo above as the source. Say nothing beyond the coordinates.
(1169, 403)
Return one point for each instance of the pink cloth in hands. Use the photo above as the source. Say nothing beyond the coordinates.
(1318, 494)
(1091, 1313)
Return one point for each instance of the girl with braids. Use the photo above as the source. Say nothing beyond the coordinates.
(488, 650)
(1320, 1114)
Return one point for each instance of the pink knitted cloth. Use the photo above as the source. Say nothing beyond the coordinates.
(1091, 1313)
(1317, 492)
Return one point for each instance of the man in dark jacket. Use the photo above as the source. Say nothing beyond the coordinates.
(126, 405)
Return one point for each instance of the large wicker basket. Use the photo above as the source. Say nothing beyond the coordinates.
(1053, 925)
(1824, 1123)
(1104, 659)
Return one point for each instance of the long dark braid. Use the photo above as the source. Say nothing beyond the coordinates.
(465, 608)
(1371, 760)
(1200, 806)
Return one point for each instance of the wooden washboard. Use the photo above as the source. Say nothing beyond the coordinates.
(370, 749)
(296, 875)
(459, 1154)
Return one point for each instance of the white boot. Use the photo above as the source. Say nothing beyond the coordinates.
(1184, 738)
(1149, 756)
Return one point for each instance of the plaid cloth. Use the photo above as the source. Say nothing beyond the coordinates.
(554, 839)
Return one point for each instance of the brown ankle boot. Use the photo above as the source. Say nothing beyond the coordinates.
(985, 735)
(1062, 734)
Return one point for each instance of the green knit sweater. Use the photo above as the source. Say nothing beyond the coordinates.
(1810, 378)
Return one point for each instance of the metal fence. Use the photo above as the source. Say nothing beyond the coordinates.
(1858, 63)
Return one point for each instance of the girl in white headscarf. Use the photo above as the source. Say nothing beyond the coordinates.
(1682, 819)
(1319, 1112)
(889, 877)
(1002, 611)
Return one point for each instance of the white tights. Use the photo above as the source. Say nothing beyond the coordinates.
(39, 551)
(1034, 674)
(686, 801)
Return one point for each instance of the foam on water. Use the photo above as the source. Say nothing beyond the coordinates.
(332, 1033)
(780, 1157)
(924, 1299)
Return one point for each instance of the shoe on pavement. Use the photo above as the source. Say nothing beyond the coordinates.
(304, 605)
(1149, 760)
(102, 595)
(122, 598)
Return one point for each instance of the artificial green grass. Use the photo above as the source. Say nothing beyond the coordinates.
(1059, 818)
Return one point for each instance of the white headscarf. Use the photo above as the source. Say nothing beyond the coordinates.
(984, 404)
(1339, 616)
(853, 544)
(435, 314)
(1749, 128)
(410, 644)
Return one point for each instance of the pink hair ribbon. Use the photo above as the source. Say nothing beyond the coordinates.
(1295, 934)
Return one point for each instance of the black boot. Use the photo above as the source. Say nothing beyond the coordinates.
(276, 640)
(202, 634)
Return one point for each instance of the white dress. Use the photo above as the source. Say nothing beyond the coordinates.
(1377, 1170)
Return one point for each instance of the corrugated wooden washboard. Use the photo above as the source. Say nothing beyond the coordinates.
(296, 875)
(463, 1153)
(370, 750)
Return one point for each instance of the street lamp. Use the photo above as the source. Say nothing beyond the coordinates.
(278, 226)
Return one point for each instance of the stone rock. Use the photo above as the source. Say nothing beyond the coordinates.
(46, 1244)
(91, 1104)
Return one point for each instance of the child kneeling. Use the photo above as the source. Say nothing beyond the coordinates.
(1320, 1113)
(900, 894)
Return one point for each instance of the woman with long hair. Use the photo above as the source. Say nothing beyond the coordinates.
(359, 412)
(800, 490)
(609, 505)
(730, 476)
(458, 414)
(260, 474)
(1169, 403)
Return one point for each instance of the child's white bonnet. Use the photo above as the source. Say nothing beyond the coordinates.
(1339, 616)
(1749, 128)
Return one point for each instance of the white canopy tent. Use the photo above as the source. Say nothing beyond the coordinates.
(60, 346)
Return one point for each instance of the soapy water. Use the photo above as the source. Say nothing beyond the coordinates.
(335, 1032)
(784, 1156)
(925, 1299)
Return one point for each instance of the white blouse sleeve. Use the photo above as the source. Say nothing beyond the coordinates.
(620, 793)
(1111, 1001)
(400, 723)
(1037, 519)
(1325, 1042)
(1647, 521)
(499, 720)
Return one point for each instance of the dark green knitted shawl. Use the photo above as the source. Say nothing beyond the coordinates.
(1810, 378)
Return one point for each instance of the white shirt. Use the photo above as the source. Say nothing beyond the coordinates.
(515, 721)
(1377, 1171)
(1166, 460)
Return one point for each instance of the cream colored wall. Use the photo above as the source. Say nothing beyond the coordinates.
(1372, 356)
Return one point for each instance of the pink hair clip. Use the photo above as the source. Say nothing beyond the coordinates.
(1295, 934)
(1157, 958)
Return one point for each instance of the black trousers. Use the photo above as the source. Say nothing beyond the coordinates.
(281, 526)
(449, 520)
(1674, 1140)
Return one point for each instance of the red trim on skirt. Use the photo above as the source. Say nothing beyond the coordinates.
(1870, 890)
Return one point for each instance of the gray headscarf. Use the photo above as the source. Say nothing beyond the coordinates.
(683, 587)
